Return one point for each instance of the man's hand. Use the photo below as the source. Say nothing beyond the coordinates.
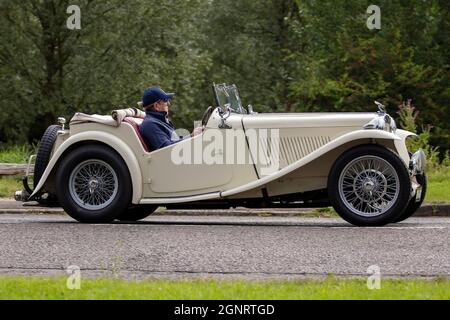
(197, 131)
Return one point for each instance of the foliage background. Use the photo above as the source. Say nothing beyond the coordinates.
(284, 55)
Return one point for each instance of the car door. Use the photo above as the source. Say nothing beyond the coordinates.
(217, 160)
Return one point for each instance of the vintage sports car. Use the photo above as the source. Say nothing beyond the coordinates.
(99, 169)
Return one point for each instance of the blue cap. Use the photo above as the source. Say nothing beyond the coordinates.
(154, 94)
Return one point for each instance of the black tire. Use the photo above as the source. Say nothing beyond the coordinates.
(45, 149)
(380, 155)
(136, 213)
(70, 197)
(413, 205)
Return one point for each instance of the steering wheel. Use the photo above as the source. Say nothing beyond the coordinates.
(207, 115)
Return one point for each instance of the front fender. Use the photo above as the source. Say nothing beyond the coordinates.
(400, 145)
(348, 137)
(106, 138)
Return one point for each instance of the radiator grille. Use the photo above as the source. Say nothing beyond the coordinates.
(295, 148)
(287, 150)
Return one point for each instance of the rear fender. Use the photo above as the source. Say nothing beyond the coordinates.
(98, 137)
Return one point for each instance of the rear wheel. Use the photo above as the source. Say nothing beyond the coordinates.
(369, 186)
(137, 213)
(93, 184)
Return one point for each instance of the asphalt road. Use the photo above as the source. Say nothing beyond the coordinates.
(224, 247)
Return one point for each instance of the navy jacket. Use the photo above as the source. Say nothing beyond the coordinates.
(157, 130)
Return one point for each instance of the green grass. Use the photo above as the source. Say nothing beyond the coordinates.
(330, 288)
(438, 188)
(9, 185)
(326, 212)
(13, 154)
(16, 153)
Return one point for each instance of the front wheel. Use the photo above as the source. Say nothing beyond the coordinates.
(93, 184)
(369, 186)
(415, 201)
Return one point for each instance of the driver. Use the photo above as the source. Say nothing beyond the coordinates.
(156, 129)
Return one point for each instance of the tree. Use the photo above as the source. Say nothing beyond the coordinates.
(255, 44)
(284, 55)
(122, 48)
(349, 66)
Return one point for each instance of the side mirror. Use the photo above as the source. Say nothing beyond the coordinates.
(250, 109)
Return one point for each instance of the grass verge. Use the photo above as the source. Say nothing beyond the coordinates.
(438, 177)
(16, 153)
(329, 288)
(438, 192)
(9, 185)
(438, 188)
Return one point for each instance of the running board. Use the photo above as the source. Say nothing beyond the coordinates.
(206, 196)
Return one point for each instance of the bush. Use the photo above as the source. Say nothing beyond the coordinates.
(408, 120)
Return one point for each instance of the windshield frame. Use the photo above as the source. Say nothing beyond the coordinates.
(227, 96)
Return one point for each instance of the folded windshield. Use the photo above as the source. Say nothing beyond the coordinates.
(228, 95)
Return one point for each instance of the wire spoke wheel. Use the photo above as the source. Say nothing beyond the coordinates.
(93, 184)
(369, 186)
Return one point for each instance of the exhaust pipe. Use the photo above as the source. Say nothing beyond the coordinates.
(21, 195)
(24, 195)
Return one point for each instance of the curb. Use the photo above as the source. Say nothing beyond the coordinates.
(433, 210)
(426, 210)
